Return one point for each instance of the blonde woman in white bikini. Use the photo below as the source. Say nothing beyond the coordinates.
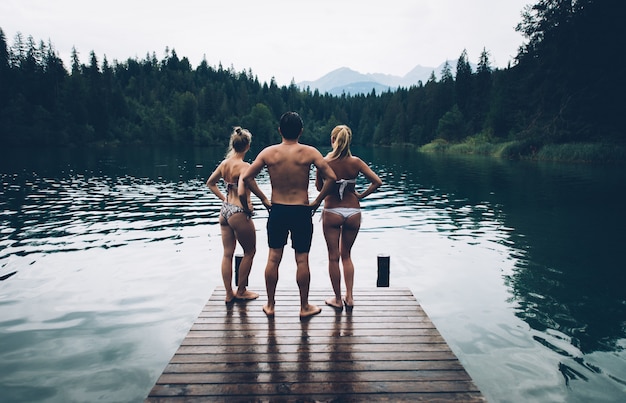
(235, 219)
(341, 216)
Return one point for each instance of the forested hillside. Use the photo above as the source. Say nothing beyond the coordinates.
(564, 87)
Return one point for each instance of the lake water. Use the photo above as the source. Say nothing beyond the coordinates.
(108, 256)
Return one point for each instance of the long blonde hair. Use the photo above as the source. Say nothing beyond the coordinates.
(239, 140)
(341, 137)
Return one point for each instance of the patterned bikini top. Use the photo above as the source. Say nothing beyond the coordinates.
(229, 186)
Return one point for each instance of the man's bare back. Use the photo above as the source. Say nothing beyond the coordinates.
(289, 164)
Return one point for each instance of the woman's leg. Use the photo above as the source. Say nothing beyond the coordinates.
(350, 230)
(229, 242)
(246, 235)
(331, 223)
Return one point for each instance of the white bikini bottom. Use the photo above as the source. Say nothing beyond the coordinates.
(345, 212)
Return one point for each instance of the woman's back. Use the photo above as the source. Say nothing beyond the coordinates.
(347, 170)
(232, 168)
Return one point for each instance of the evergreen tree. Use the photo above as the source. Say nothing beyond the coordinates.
(6, 89)
(75, 62)
(482, 92)
(75, 99)
(444, 97)
(446, 73)
(463, 88)
(5, 70)
(261, 124)
(18, 51)
(451, 124)
(572, 97)
(484, 65)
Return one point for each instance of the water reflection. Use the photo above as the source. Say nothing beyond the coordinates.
(276, 373)
(562, 224)
(341, 368)
(100, 242)
(304, 354)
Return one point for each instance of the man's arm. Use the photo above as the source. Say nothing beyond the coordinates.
(246, 179)
(254, 188)
(319, 181)
(327, 175)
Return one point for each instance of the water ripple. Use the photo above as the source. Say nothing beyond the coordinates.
(77, 213)
(92, 260)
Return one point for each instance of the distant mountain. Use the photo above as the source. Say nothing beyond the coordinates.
(347, 81)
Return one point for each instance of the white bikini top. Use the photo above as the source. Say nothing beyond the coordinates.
(342, 186)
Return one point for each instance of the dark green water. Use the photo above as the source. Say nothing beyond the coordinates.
(107, 256)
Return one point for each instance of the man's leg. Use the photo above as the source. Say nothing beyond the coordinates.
(271, 278)
(303, 278)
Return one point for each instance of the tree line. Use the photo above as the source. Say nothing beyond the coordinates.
(558, 90)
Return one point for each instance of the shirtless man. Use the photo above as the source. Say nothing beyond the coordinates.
(289, 164)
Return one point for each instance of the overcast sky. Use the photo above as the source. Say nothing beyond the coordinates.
(299, 40)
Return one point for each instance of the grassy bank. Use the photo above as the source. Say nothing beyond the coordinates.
(573, 152)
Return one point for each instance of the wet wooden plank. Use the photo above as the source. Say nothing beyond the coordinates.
(385, 349)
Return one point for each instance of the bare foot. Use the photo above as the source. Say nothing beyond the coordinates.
(269, 310)
(335, 303)
(309, 311)
(349, 302)
(230, 297)
(247, 295)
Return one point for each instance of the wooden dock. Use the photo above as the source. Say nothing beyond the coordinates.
(385, 349)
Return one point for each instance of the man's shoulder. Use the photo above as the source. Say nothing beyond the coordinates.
(270, 147)
(309, 149)
(294, 147)
(267, 150)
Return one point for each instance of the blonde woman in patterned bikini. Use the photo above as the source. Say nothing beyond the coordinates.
(341, 216)
(235, 220)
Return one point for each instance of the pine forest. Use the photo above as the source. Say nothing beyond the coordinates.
(565, 87)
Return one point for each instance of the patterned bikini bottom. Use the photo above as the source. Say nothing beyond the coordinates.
(228, 209)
